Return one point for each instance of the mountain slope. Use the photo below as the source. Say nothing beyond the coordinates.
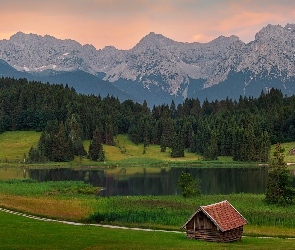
(83, 82)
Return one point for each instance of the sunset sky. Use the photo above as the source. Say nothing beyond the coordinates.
(122, 23)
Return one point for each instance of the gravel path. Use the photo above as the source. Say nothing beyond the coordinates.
(100, 225)
(83, 224)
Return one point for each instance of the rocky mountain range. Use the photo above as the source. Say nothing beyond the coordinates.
(158, 69)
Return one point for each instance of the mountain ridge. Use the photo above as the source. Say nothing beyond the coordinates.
(159, 64)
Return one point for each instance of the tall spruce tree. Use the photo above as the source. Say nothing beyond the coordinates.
(264, 147)
(167, 132)
(62, 146)
(177, 149)
(211, 152)
(96, 152)
(279, 185)
(74, 129)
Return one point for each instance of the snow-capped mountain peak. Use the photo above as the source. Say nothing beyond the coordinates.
(157, 61)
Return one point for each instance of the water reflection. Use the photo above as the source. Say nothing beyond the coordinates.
(13, 173)
(154, 181)
(159, 181)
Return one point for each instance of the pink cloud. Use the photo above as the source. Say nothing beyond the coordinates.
(123, 23)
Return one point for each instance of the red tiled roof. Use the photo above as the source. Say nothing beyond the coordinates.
(224, 215)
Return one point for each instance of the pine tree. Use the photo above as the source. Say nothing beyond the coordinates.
(264, 147)
(279, 186)
(177, 149)
(96, 152)
(211, 152)
(192, 147)
(168, 132)
(35, 156)
(163, 143)
(74, 129)
(62, 146)
(110, 128)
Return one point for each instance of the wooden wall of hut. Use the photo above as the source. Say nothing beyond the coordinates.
(202, 228)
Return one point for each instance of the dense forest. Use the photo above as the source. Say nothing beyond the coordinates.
(243, 129)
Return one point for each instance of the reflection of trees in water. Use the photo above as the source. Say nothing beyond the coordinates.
(94, 177)
(293, 178)
(122, 171)
(227, 180)
(163, 182)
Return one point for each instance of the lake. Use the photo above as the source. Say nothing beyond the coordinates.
(153, 181)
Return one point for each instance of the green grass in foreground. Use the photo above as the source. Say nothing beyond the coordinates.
(17, 232)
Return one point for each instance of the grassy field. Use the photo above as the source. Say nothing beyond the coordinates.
(17, 232)
(14, 145)
(134, 153)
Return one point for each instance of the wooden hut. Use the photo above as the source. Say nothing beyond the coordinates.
(219, 222)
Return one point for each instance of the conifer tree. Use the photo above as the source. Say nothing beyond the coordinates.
(163, 143)
(177, 149)
(192, 147)
(279, 185)
(264, 147)
(110, 128)
(62, 146)
(74, 129)
(211, 152)
(168, 132)
(96, 152)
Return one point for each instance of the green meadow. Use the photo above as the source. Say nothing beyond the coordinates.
(17, 232)
(15, 145)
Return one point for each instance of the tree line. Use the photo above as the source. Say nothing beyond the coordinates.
(243, 129)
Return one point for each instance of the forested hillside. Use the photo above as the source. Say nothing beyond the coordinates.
(243, 129)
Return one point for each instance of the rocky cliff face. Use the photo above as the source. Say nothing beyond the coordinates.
(159, 61)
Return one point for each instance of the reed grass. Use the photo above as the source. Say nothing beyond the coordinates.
(175, 210)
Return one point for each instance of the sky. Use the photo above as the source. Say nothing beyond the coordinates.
(122, 23)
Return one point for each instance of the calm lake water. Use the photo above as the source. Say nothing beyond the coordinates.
(153, 181)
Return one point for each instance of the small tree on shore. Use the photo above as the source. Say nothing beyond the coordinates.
(279, 185)
(190, 187)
